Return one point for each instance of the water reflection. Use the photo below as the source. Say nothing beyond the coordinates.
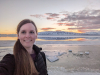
(60, 38)
(8, 38)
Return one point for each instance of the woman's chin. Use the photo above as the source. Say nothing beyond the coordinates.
(27, 46)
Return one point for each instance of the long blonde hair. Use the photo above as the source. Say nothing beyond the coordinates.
(24, 64)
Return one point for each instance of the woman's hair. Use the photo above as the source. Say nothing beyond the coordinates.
(25, 21)
(24, 64)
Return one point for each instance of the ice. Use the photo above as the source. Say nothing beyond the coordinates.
(52, 56)
(61, 53)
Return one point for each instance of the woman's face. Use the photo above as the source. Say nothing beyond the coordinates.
(27, 35)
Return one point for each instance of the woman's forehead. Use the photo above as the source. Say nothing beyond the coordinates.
(28, 26)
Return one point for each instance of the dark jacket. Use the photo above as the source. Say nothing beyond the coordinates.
(7, 64)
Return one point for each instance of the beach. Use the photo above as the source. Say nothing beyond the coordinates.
(70, 63)
(74, 62)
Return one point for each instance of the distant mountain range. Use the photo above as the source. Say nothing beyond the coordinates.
(57, 33)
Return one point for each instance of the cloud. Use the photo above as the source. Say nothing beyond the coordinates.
(69, 24)
(86, 19)
(58, 30)
(77, 30)
(48, 14)
(49, 18)
(65, 24)
(52, 14)
(83, 15)
(37, 16)
(45, 29)
(96, 22)
(65, 15)
(87, 27)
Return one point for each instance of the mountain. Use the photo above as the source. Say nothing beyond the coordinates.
(57, 33)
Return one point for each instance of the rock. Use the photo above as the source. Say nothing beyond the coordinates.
(87, 53)
(70, 50)
(81, 53)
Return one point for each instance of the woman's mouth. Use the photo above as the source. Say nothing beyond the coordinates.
(27, 40)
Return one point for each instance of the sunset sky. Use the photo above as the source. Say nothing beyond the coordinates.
(51, 15)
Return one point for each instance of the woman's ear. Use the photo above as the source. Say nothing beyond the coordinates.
(36, 35)
(18, 36)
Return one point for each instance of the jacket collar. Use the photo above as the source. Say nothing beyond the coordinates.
(36, 49)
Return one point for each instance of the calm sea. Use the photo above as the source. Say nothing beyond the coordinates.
(55, 39)
(69, 40)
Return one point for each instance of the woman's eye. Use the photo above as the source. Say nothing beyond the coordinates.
(23, 32)
(31, 32)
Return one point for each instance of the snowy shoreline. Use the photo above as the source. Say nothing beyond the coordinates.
(62, 71)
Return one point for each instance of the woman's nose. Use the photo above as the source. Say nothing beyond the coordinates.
(27, 35)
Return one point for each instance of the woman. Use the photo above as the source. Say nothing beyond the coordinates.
(27, 58)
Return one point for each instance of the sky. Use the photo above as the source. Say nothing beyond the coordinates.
(78, 16)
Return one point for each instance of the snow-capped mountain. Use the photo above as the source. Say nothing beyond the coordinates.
(57, 33)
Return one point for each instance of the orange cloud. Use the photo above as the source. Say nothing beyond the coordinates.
(60, 24)
(65, 24)
(49, 18)
(47, 28)
(76, 30)
(69, 24)
(58, 30)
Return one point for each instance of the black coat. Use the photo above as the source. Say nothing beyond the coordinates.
(7, 64)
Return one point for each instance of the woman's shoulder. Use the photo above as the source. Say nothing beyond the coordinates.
(8, 57)
(7, 61)
(7, 64)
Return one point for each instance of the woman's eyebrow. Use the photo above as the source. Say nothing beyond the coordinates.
(32, 30)
(26, 30)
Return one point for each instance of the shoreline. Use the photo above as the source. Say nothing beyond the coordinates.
(71, 61)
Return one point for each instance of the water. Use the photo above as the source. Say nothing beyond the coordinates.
(69, 40)
(7, 43)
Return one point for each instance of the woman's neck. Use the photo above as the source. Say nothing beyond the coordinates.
(30, 50)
